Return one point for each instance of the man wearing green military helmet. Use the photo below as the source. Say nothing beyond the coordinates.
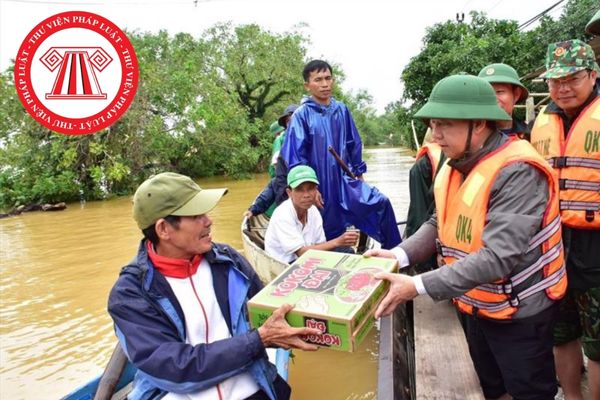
(498, 245)
(593, 27)
(509, 91)
(567, 134)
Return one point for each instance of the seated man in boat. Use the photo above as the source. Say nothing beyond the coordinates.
(322, 123)
(498, 233)
(296, 225)
(179, 307)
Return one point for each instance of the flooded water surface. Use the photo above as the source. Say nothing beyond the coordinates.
(57, 269)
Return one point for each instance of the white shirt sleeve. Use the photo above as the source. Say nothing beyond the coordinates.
(319, 227)
(283, 237)
(419, 284)
(401, 257)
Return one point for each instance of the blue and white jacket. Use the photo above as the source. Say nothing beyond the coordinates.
(150, 326)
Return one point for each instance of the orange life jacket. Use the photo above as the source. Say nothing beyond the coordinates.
(461, 210)
(577, 160)
(433, 152)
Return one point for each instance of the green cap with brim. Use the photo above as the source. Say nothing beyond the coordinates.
(275, 128)
(503, 73)
(567, 58)
(300, 174)
(169, 193)
(593, 27)
(463, 97)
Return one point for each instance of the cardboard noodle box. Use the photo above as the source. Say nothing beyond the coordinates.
(334, 292)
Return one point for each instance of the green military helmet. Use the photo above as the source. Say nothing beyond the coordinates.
(463, 97)
(569, 57)
(275, 128)
(503, 73)
(593, 27)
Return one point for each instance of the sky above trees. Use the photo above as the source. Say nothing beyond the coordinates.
(372, 40)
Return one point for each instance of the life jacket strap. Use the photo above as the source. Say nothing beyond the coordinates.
(565, 161)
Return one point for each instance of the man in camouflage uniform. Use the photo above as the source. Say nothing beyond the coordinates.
(567, 134)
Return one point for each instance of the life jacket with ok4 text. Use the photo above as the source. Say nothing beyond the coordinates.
(462, 207)
(577, 160)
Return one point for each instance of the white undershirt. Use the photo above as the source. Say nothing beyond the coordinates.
(235, 388)
(286, 234)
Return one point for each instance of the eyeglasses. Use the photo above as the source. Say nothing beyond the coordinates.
(572, 82)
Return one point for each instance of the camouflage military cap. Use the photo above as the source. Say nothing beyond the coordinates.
(566, 58)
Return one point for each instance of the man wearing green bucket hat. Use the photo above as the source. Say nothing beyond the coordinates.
(497, 234)
(509, 91)
(567, 134)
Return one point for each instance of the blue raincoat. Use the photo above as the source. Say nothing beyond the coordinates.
(312, 129)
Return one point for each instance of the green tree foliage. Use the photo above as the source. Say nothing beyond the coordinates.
(450, 48)
(203, 107)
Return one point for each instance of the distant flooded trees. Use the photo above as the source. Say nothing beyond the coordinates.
(203, 108)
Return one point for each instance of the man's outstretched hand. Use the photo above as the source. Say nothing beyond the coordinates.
(402, 289)
(276, 332)
(379, 253)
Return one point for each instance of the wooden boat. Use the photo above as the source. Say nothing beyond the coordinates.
(267, 267)
(253, 241)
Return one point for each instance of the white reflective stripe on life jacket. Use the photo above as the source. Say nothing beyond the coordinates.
(579, 205)
(581, 185)
(544, 284)
(546, 258)
(544, 234)
(566, 161)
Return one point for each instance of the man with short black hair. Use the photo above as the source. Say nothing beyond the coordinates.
(179, 307)
(321, 123)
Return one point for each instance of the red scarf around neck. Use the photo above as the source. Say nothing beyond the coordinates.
(173, 267)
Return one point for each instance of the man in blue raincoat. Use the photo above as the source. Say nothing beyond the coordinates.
(321, 122)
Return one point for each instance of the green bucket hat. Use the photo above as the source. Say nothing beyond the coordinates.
(566, 58)
(503, 73)
(275, 128)
(593, 27)
(301, 174)
(171, 194)
(463, 97)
